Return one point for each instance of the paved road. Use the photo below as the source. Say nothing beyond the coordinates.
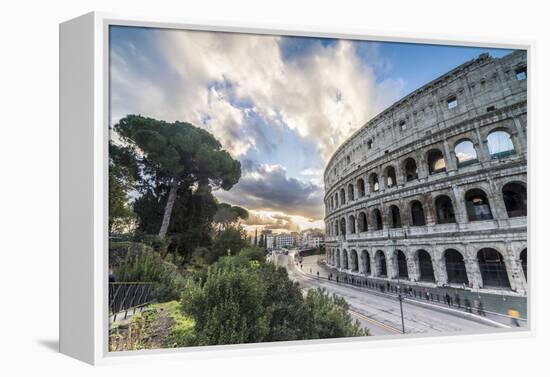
(381, 313)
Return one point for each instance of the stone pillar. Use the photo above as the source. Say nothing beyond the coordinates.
(498, 208)
(381, 182)
(521, 136)
(515, 275)
(459, 205)
(373, 269)
(422, 166)
(413, 267)
(391, 263)
(450, 158)
(440, 270)
(482, 150)
(473, 272)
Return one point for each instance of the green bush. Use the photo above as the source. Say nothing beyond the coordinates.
(147, 265)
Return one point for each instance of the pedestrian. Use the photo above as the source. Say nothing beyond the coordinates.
(112, 275)
(336, 279)
(479, 306)
(514, 315)
(457, 300)
(467, 305)
(317, 275)
(448, 299)
(427, 295)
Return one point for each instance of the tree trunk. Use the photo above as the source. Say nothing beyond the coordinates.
(168, 210)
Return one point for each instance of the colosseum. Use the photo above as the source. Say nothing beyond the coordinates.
(432, 192)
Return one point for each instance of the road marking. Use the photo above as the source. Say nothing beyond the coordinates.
(378, 323)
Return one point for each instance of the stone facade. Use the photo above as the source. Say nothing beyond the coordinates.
(434, 188)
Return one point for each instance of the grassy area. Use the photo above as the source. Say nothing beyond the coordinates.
(158, 326)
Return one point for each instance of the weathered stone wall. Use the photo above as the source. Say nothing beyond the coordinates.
(469, 103)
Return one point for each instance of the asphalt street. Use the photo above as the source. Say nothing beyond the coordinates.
(381, 313)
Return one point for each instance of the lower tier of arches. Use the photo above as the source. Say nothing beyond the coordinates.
(477, 266)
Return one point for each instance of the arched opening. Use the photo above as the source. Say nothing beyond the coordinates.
(373, 181)
(465, 153)
(425, 266)
(477, 205)
(444, 210)
(377, 219)
(332, 202)
(361, 187)
(523, 261)
(338, 258)
(336, 228)
(352, 224)
(411, 171)
(436, 162)
(456, 269)
(417, 214)
(401, 261)
(500, 144)
(492, 268)
(343, 226)
(380, 260)
(365, 260)
(391, 180)
(362, 222)
(345, 264)
(343, 196)
(354, 261)
(514, 195)
(351, 193)
(395, 217)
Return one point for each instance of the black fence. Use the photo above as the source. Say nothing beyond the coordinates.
(124, 297)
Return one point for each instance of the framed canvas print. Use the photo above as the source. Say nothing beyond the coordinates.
(225, 187)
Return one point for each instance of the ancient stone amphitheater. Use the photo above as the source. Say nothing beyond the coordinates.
(433, 189)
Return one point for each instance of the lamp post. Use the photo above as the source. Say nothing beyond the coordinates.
(399, 297)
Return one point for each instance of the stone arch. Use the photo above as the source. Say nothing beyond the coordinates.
(391, 178)
(410, 169)
(401, 264)
(365, 261)
(351, 192)
(336, 199)
(343, 196)
(381, 265)
(345, 262)
(465, 152)
(455, 267)
(417, 214)
(362, 222)
(343, 226)
(336, 232)
(523, 261)
(395, 215)
(360, 187)
(444, 210)
(377, 219)
(500, 144)
(351, 224)
(373, 182)
(338, 261)
(514, 195)
(436, 161)
(477, 205)
(354, 261)
(492, 267)
(425, 266)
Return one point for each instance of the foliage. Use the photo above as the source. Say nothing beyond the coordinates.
(159, 326)
(244, 300)
(174, 156)
(123, 172)
(227, 215)
(147, 265)
(330, 317)
(229, 241)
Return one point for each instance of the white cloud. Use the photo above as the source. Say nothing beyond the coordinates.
(324, 96)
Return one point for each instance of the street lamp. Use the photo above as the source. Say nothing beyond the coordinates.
(396, 263)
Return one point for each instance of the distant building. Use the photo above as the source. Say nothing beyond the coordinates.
(315, 239)
(284, 240)
(269, 240)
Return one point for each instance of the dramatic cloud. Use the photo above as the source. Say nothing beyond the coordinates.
(216, 79)
(268, 188)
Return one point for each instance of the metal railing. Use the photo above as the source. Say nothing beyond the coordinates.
(125, 296)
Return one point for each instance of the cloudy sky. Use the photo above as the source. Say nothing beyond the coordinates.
(280, 105)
